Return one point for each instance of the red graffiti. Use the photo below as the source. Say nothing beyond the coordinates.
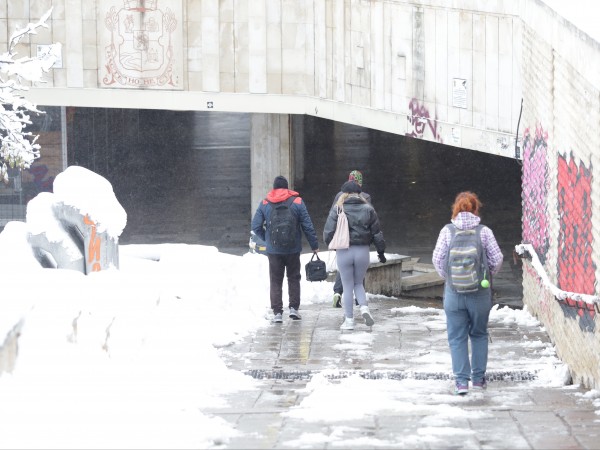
(576, 269)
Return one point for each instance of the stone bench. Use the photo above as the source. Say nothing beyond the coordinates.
(382, 278)
(400, 276)
(386, 278)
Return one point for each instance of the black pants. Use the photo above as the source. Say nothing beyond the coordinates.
(337, 286)
(280, 265)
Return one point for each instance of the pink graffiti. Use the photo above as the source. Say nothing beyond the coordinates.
(535, 191)
(418, 118)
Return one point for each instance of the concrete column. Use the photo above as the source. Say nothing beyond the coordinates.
(297, 137)
(73, 53)
(271, 154)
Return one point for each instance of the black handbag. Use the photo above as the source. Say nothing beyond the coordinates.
(316, 270)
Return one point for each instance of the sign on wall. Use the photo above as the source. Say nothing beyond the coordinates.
(459, 93)
(141, 44)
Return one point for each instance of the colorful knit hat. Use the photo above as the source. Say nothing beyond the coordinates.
(355, 175)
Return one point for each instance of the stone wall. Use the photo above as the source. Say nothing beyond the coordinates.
(570, 327)
(561, 192)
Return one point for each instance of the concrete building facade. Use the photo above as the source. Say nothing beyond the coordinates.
(509, 78)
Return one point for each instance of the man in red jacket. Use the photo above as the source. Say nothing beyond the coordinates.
(283, 249)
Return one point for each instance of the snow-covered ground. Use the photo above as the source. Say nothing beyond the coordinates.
(127, 358)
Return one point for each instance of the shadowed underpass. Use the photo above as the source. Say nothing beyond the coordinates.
(185, 177)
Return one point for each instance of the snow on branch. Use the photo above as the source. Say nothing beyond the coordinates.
(18, 147)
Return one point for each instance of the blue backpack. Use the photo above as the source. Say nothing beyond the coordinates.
(467, 260)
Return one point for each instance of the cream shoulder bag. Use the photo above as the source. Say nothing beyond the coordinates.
(341, 237)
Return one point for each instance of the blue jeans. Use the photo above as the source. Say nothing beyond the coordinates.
(467, 318)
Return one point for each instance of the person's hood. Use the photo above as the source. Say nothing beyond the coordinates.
(355, 198)
(280, 195)
(466, 220)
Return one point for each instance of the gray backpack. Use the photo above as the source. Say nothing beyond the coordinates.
(467, 260)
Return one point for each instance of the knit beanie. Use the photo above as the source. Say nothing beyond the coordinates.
(280, 183)
(355, 175)
(351, 187)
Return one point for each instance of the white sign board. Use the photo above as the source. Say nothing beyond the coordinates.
(459, 93)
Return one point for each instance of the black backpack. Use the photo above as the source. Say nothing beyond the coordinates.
(283, 225)
(467, 261)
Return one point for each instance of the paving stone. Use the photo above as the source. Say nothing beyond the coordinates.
(515, 412)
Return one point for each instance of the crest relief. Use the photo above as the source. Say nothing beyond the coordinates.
(143, 44)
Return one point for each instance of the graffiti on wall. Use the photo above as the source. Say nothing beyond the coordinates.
(419, 121)
(94, 246)
(576, 270)
(535, 191)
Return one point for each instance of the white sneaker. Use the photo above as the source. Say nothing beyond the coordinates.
(348, 324)
(294, 315)
(364, 310)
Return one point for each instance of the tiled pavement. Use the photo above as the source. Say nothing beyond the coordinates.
(407, 344)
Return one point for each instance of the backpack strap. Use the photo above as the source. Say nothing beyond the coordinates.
(483, 251)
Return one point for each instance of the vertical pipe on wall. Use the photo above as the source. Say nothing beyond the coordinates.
(63, 136)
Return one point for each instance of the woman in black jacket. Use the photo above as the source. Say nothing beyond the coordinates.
(353, 262)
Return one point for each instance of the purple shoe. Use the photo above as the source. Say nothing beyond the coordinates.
(461, 388)
(480, 384)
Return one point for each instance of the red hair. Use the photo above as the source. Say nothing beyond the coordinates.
(466, 202)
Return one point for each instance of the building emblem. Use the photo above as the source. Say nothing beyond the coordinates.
(140, 52)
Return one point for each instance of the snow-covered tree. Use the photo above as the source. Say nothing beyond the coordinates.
(18, 148)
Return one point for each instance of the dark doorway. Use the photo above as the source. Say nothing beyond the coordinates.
(412, 183)
(184, 176)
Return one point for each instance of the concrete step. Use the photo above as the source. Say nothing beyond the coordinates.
(402, 277)
(408, 265)
(423, 281)
(422, 267)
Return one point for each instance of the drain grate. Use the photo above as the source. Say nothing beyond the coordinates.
(262, 374)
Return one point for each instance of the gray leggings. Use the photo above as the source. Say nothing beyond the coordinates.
(352, 264)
